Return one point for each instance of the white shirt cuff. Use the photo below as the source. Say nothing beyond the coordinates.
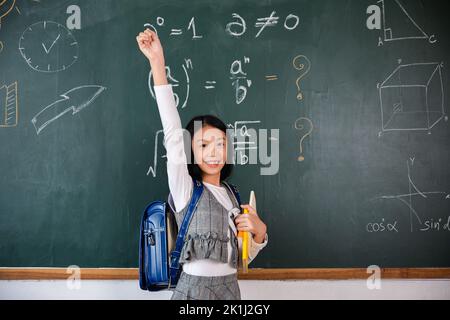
(259, 246)
(162, 86)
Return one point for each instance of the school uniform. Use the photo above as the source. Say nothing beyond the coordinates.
(211, 252)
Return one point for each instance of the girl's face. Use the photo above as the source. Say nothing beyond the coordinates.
(210, 149)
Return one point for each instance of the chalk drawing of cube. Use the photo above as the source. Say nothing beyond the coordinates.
(412, 98)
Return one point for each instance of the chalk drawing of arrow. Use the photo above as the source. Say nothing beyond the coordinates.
(5, 7)
(73, 100)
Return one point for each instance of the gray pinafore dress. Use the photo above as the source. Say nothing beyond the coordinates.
(207, 239)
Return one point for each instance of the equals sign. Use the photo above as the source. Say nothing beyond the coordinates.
(210, 85)
(271, 78)
(176, 32)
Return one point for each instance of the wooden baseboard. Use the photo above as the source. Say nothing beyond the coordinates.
(253, 274)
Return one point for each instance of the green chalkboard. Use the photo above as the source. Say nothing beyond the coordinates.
(357, 93)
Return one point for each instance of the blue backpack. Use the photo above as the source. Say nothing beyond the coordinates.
(161, 241)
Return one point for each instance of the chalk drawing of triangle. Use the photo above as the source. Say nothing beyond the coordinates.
(398, 24)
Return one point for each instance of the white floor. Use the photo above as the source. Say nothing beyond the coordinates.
(250, 290)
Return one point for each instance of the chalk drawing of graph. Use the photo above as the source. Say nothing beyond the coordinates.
(414, 194)
(398, 24)
(9, 108)
(412, 98)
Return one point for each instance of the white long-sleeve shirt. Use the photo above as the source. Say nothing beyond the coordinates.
(180, 184)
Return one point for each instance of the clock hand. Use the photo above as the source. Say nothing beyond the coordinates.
(47, 51)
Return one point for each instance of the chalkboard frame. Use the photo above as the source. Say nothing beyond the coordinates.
(322, 96)
(253, 274)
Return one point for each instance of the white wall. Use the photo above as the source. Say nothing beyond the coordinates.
(254, 290)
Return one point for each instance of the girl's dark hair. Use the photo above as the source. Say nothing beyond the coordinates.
(213, 121)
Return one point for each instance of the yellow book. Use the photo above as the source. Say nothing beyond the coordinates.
(246, 236)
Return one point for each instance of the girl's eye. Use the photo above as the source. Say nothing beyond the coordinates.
(203, 145)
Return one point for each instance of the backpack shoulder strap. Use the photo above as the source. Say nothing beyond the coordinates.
(174, 264)
(235, 192)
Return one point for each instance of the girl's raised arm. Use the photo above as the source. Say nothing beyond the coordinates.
(180, 182)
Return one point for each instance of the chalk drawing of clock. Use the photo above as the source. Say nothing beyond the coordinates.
(48, 47)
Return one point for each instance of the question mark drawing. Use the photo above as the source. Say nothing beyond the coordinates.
(5, 7)
(302, 64)
(300, 125)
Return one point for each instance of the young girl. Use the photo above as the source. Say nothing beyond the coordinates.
(211, 252)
